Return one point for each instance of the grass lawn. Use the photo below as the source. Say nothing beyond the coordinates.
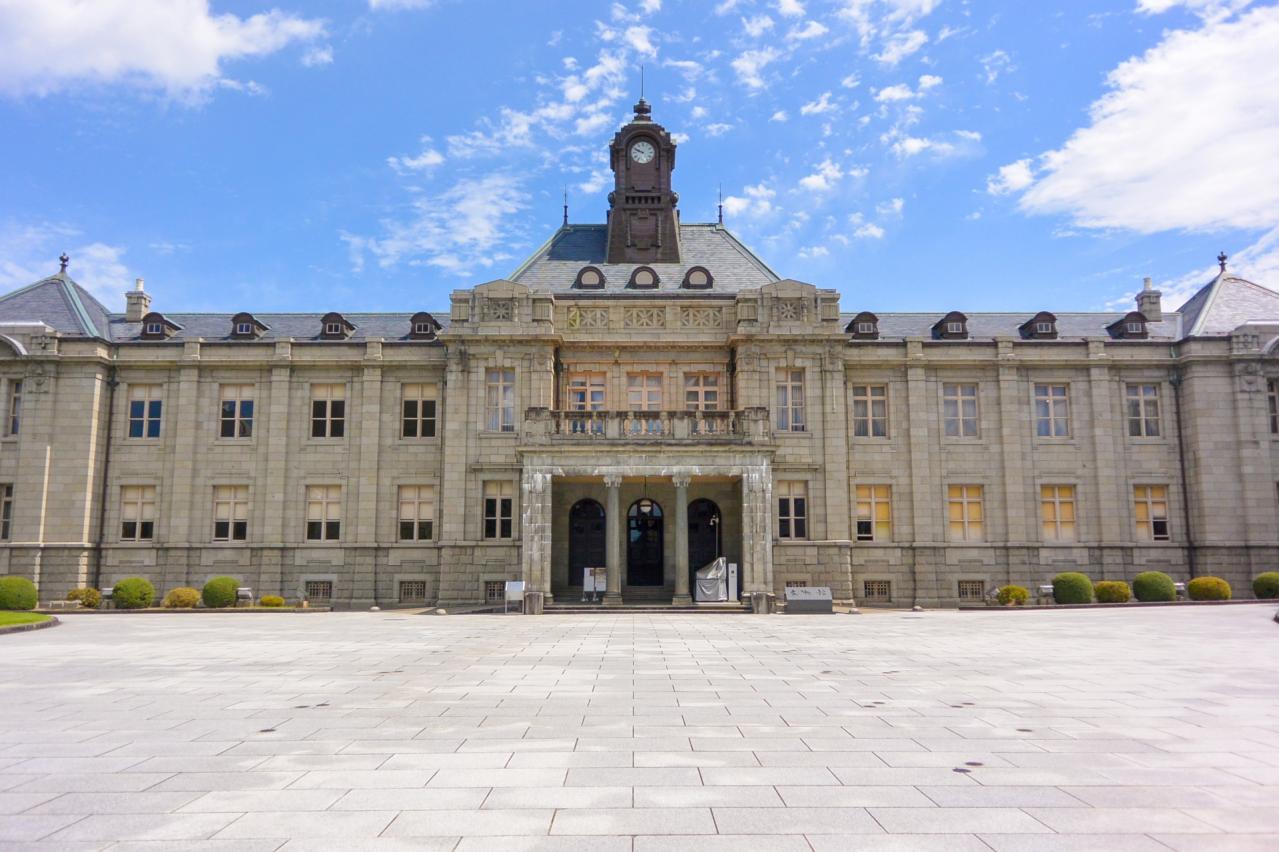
(9, 618)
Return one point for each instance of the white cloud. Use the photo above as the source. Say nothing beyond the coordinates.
(1213, 10)
(899, 92)
(819, 106)
(996, 63)
(640, 40)
(890, 208)
(648, 7)
(852, 81)
(899, 46)
(396, 5)
(811, 252)
(599, 179)
(726, 6)
(751, 64)
(318, 55)
(176, 47)
(869, 231)
(929, 81)
(828, 173)
(718, 129)
(29, 252)
(780, 115)
(1186, 138)
(427, 159)
(754, 201)
(810, 30)
(757, 26)
(1013, 177)
(790, 8)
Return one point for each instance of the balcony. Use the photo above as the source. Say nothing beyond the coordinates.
(745, 426)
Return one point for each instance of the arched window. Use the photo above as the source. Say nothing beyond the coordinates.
(644, 278)
(589, 278)
(698, 278)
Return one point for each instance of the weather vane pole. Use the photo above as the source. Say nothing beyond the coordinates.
(1222, 258)
(721, 204)
(566, 205)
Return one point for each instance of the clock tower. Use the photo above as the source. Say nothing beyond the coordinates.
(643, 224)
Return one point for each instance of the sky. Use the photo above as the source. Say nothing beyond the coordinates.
(363, 155)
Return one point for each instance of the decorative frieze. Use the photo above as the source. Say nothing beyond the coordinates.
(701, 318)
(499, 310)
(587, 317)
(644, 318)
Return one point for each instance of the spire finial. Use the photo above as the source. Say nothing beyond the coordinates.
(721, 204)
(566, 205)
(1222, 258)
(642, 109)
(641, 81)
(64, 260)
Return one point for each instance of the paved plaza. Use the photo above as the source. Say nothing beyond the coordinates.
(1132, 730)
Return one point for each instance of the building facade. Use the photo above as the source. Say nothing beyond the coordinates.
(646, 396)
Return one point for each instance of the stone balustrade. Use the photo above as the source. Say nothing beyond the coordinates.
(749, 425)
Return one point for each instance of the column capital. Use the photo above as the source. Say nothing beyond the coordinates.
(612, 480)
(681, 480)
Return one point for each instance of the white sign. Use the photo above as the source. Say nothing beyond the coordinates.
(515, 590)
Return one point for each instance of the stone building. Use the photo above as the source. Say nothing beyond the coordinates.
(645, 395)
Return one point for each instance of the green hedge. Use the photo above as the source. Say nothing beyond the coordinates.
(1012, 595)
(17, 593)
(219, 592)
(1208, 589)
(1112, 591)
(1071, 587)
(1151, 586)
(271, 601)
(88, 598)
(1266, 586)
(133, 593)
(183, 597)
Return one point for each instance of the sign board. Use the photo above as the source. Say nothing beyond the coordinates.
(515, 590)
(809, 599)
(594, 582)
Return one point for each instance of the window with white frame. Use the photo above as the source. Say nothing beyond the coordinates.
(236, 411)
(328, 411)
(145, 409)
(333, 328)
(1057, 512)
(1043, 328)
(870, 411)
(323, 512)
(412, 591)
(230, 512)
(244, 328)
(13, 423)
(499, 500)
(965, 513)
(417, 512)
(865, 328)
(1052, 411)
(499, 400)
(1272, 393)
(1150, 509)
(6, 510)
(1143, 411)
(417, 410)
(137, 512)
(701, 391)
(644, 393)
(792, 509)
(874, 519)
(959, 410)
(154, 329)
(790, 401)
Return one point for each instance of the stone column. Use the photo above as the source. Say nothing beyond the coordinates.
(682, 597)
(757, 532)
(613, 540)
(535, 527)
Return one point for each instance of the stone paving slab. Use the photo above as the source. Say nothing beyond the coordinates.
(1140, 729)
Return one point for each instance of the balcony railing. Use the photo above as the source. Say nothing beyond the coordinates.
(746, 425)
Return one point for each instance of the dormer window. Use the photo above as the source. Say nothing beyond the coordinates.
(698, 278)
(643, 278)
(245, 327)
(1042, 326)
(333, 326)
(156, 327)
(1135, 328)
(423, 326)
(864, 326)
(953, 326)
(589, 278)
(1132, 327)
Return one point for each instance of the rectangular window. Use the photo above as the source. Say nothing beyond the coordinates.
(874, 513)
(792, 509)
(877, 591)
(586, 391)
(797, 584)
(14, 422)
(230, 512)
(644, 393)
(499, 396)
(972, 590)
(413, 591)
(790, 401)
(701, 391)
(1150, 508)
(236, 411)
(137, 512)
(417, 512)
(1272, 392)
(498, 504)
(319, 591)
(870, 411)
(1057, 512)
(145, 407)
(495, 591)
(964, 512)
(1143, 411)
(1052, 411)
(959, 410)
(328, 411)
(323, 512)
(417, 411)
(6, 510)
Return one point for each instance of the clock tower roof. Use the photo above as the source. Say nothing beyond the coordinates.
(643, 222)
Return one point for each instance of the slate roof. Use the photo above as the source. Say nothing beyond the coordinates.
(990, 326)
(1227, 302)
(297, 327)
(732, 265)
(59, 302)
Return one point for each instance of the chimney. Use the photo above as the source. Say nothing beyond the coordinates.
(137, 303)
(1148, 302)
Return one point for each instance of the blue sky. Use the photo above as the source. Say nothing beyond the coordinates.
(376, 154)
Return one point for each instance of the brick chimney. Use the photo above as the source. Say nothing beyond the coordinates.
(137, 303)
(1148, 302)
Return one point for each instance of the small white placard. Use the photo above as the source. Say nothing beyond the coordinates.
(515, 590)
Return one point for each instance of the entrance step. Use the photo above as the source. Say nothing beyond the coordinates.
(630, 608)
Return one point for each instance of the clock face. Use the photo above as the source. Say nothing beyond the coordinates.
(642, 152)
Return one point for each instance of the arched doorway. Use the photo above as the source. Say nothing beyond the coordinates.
(644, 544)
(585, 539)
(704, 535)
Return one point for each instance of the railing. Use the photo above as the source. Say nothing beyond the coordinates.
(749, 424)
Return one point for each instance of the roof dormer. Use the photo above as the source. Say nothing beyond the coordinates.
(244, 326)
(864, 326)
(156, 327)
(1133, 326)
(334, 326)
(589, 278)
(423, 326)
(1042, 326)
(697, 278)
(953, 326)
(644, 278)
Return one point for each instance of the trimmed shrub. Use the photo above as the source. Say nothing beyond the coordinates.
(1112, 591)
(88, 598)
(182, 597)
(219, 592)
(1151, 586)
(1012, 595)
(1266, 585)
(1071, 587)
(17, 593)
(133, 593)
(271, 601)
(1208, 589)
